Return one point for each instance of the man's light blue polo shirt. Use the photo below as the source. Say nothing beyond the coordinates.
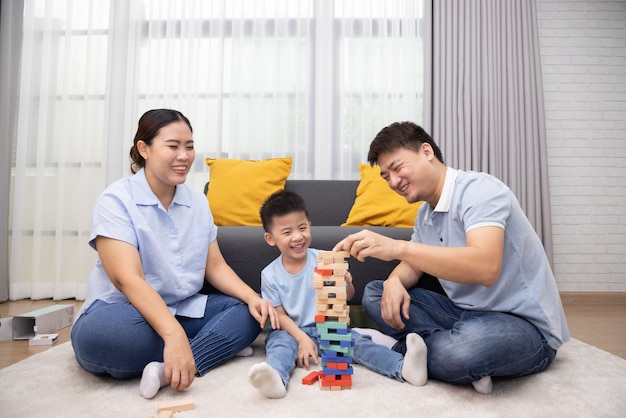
(526, 286)
(173, 244)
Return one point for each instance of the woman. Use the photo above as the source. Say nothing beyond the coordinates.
(156, 243)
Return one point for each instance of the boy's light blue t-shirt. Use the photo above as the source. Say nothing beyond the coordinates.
(526, 286)
(173, 245)
(294, 292)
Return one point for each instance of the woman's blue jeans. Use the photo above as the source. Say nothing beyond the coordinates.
(282, 353)
(115, 339)
(465, 346)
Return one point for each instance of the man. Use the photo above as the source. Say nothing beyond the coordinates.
(502, 316)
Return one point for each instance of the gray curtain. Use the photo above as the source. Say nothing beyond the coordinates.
(483, 99)
(10, 14)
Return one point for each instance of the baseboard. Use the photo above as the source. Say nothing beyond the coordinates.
(594, 298)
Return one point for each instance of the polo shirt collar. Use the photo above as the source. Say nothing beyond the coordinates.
(446, 193)
(143, 194)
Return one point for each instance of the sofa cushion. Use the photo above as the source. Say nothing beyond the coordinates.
(328, 201)
(376, 204)
(238, 188)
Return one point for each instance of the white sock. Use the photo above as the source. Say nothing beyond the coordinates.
(484, 385)
(246, 352)
(267, 381)
(152, 379)
(377, 336)
(415, 368)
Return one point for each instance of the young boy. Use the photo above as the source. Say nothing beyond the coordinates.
(287, 282)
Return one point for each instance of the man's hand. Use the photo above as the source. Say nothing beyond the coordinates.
(395, 303)
(366, 243)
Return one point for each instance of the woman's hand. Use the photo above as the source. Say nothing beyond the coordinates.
(180, 367)
(262, 310)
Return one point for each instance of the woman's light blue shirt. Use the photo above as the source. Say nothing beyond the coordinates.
(173, 244)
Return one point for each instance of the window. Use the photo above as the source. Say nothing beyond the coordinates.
(310, 79)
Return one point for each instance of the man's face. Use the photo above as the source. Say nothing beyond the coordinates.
(407, 172)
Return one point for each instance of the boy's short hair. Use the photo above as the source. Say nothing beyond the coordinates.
(280, 203)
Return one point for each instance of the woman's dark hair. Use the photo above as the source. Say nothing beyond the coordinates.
(401, 135)
(148, 127)
(280, 203)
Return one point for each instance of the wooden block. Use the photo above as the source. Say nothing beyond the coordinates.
(335, 291)
(321, 307)
(311, 378)
(334, 325)
(341, 255)
(330, 381)
(175, 406)
(323, 271)
(166, 414)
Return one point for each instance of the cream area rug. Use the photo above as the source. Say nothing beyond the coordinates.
(584, 381)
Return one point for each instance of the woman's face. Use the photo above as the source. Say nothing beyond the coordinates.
(169, 157)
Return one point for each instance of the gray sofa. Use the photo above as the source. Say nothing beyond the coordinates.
(329, 203)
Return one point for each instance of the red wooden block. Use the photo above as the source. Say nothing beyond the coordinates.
(311, 378)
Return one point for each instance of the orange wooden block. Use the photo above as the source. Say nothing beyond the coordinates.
(311, 378)
(323, 272)
(336, 382)
(320, 318)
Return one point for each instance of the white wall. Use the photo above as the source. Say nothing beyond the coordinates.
(583, 52)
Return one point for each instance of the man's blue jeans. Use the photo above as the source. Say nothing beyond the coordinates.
(465, 346)
(282, 353)
(115, 339)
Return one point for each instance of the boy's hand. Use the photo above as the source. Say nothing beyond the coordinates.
(306, 348)
(348, 278)
(349, 286)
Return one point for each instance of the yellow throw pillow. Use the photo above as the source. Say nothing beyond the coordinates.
(377, 205)
(238, 188)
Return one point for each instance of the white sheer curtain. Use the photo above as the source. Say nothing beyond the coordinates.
(310, 79)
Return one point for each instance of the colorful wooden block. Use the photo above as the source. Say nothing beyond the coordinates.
(311, 378)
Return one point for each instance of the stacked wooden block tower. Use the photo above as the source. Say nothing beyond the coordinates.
(333, 319)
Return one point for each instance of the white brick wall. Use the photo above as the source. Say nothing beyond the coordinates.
(583, 53)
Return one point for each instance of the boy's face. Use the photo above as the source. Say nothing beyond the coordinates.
(291, 233)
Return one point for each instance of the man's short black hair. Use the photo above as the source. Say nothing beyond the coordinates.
(401, 135)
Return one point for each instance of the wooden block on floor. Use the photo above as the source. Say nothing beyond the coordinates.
(175, 406)
(311, 378)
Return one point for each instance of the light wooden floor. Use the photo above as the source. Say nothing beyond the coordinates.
(598, 319)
